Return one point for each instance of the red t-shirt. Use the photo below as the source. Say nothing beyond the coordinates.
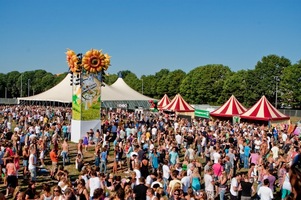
(53, 157)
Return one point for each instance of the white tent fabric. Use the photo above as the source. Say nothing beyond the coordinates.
(178, 104)
(164, 101)
(62, 92)
(231, 108)
(125, 92)
(263, 110)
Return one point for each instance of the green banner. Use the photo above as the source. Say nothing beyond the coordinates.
(201, 113)
(86, 98)
(235, 119)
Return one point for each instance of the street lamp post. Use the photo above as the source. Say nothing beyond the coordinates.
(142, 86)
(5, 92)
(21, 85)
(28, 87)
(277, 79)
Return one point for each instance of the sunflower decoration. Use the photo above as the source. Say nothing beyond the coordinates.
(95, 61)
(107, 61)
(72, 60)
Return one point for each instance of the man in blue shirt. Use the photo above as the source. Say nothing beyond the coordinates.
(247, 150)
(103, 160)
(173, 156)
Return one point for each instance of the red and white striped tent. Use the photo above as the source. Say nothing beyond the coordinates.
(263, 110)
(178, 104)
(231, 108)
(164, 101)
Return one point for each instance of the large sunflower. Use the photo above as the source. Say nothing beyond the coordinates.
(94, 61)
(72, 60)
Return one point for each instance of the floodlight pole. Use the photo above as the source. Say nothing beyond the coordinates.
(28, 87)
(142, 86)
(277, 79)
(21, 86)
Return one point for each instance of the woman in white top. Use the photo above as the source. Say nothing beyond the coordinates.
(32, 163)
(46, 195)
(286, 187)
(94, 182)
(57, 193)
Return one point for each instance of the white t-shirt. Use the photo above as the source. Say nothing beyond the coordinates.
(185, 183)
(216, 156)
(284, 137)
(32, 162)
(208, 182)
(257, 144)
(190, 153)
(16, 129)
(166, 171)
(265, 193)
(154, 131)
(93, 184)
(203, 141)
(176, 125)
(122, 134)
(138, 175)
(37, 129)
(179, 139)
(8, 125)
(275, 151)
(148, 180)
(287, 184)
(234, 183)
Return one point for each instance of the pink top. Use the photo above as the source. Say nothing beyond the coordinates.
(217, 169)
(11, 169)
(254, 158)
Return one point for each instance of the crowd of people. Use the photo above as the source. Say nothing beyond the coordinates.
(144, 155)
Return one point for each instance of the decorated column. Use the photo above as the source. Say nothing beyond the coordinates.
(87, 72)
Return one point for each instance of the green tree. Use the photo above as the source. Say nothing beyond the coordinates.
(148, 82)
(290, 86)
(250, 94)
(132, 80)
(2, 85)
(204, 84)
(110, 79)
(159, 81)
(12, 84)
(175, 79)
(266, 71)
(235, 85)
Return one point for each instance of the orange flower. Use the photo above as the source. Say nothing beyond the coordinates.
(94, 61)
(72, 60)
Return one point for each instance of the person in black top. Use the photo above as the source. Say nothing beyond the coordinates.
(82, 190)
(30, 193)
(247, 188)
(140, 190)
(144, 167)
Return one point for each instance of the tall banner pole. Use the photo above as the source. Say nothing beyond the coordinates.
(87, 75)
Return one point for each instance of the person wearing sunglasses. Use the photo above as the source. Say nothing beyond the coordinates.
(57, 193)
(177, 195)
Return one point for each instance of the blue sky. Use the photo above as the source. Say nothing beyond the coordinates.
(144, 36)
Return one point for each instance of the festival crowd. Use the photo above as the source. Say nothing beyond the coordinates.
(145, 156)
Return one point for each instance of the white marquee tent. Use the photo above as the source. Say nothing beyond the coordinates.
(117, 93)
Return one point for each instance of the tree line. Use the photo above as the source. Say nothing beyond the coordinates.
(210, 84)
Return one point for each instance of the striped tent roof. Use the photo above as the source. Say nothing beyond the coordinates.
(178, 104)
(164, 101)
(263, 110)
(231, 108)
